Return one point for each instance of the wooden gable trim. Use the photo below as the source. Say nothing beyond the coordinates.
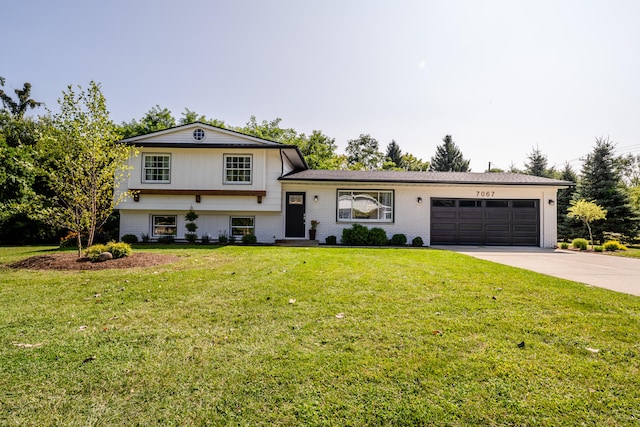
(136, 193)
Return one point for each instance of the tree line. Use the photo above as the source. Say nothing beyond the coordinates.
(53, 163)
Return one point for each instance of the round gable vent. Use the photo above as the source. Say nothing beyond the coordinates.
(199, 134)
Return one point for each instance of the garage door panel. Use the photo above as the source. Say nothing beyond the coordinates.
(466, 227)
(485, 222)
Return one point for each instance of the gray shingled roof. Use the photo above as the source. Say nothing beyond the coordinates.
(424, 177)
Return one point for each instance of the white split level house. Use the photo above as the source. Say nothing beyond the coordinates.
(239, 184)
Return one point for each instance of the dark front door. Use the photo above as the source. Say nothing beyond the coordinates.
(294, 215)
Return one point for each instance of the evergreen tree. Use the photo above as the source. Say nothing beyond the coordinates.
(394, 154)
(449, 158)
(601, 183)
(567, 227)
(538, 164)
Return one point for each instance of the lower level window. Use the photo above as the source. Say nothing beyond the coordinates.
(164, 225)
(241, 225)
(374, 206)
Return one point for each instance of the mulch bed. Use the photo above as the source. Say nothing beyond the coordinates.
(70, 261)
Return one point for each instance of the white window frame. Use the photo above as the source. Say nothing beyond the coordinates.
(145, 168)
(154, 226)
(347, 200)
(250, 228)
(227, 169)
(199, 134)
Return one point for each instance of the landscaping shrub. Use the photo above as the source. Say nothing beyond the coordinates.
(222, 238)
(357, 235)
(597, 248)
(71, 240)
(94, 251)
(205, 239)
(331, 240)
(417, 242)
(580, 244)
(130, 238)
(167, 240)
(378, 237)
(398, 240)
(145, 237)
(249, 239)
(614, 245)
(191, 237)
(564, 245)
(119, 249)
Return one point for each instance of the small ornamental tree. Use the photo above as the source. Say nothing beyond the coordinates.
(587, 212)
(191, 226)
(83, 161)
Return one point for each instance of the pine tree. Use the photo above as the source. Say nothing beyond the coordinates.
(394, 154)
(538, 164)
(567, 227)
(449, 158)
(601, 183)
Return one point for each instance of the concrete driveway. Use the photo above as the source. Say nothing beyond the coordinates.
(605, 271)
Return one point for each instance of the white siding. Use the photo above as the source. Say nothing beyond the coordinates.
(412, 218)
(203, 169)
(268, 226)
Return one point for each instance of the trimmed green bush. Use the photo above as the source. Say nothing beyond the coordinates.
(580, 244)
(249, 239)
(378, 237)
(564, 245)
(357, 235)
(205, 239)
(191, 237)
(119, 249)
(166, 240)
(331, 240)
(614, 245)
(130, 238)
(398, 240)
(597, 248)
(222, 238)
(93, 252)
(417, 242)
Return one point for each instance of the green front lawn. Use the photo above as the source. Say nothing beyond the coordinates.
(314, 336)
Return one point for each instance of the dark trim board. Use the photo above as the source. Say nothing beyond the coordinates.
(504, 222)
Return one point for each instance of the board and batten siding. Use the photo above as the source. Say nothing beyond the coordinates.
(203, 169)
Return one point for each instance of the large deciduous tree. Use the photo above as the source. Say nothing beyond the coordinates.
(601, 182)
(364, 153)
(24, 101)
(82, 157)
(157, 118)
(448, 157)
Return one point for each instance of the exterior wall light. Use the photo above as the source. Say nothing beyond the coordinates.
(419, 199)
(315, 198)
(552, 202)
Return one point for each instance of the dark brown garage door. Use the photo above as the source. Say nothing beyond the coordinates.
(485, 222)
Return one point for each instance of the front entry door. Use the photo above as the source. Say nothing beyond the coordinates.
(294, 220)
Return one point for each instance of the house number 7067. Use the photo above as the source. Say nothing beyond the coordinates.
(485, 193)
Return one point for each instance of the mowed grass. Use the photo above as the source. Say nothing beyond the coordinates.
(314, 336)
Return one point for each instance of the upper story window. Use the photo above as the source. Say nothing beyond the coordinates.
(199, 134)
(156, 168)
(237, 169)
(366, 205)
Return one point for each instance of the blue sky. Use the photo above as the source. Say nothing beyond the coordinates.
(501, 77)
